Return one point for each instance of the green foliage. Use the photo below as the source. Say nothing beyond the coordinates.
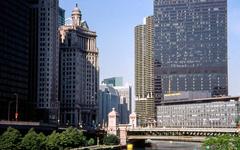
(33, 141)
(110, 139)
(91, 142)
(223, 142)
(52, 141)
(72, 137)
(10, 139)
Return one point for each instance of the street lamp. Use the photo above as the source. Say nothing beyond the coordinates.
(16, 113)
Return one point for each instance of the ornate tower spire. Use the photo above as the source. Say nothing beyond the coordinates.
(76, 16)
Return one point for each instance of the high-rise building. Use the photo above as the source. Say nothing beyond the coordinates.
(79, 72)
(14, 51)
(33, 56)
(125, 93)
(144, 70)
(48, 60)
(114, 81)
(29, 47)
(190, 47)
(61, 19)
(108, 98)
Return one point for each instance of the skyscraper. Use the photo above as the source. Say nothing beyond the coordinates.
(108, 98)
(114, 81)
(14, 50)
(48, 60)
(144, 70)
(190, 46)
(61, 19)
(79, 72)
(125, 91)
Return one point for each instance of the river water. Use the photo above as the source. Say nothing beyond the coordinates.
(170, 145)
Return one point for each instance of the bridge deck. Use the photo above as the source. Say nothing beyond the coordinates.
(169, 138)
(219, 130)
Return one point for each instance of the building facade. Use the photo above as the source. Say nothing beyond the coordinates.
(190, 47)
(114, 81)
(144, 69)
(79, 72)
(108, 99)
(125, 94)
(200, 113)
(48, 60)
(61, 15)
(14, 59)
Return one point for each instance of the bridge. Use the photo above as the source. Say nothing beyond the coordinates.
(178, 134)
(132, 132)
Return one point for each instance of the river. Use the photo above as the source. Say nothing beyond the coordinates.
(171, 145)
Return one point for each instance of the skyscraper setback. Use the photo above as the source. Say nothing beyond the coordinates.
(190, 47)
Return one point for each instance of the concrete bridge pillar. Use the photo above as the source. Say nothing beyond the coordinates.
(123, 133)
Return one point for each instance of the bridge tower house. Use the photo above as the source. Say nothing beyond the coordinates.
(113, 121)
(133, 120)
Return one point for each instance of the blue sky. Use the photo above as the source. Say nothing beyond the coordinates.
(114, 22)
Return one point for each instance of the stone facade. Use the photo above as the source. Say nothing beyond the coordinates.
(113, 122)
(79, 72)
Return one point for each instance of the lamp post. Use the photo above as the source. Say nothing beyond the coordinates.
(16, 113)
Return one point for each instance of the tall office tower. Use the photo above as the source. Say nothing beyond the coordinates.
(190, 46)
(125, 91)
(14, 49)
(48, 60)
(114, 81)
(61, 19)
(144, 71)
(108, 98)
(33, 56)
(79, 72)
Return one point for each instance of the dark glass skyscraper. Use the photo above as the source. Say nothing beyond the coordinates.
(190, 46)
(14, 49)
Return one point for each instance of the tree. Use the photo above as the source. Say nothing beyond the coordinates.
(33, 141)
(52, 141)
(10, 139)
(72, 137)
(223, 142)
(91, 142)
(110, 139)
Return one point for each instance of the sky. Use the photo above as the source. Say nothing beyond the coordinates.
(114, 22)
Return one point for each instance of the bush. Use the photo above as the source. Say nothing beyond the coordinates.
(110, 139)
(91, 142)
(10, 139)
